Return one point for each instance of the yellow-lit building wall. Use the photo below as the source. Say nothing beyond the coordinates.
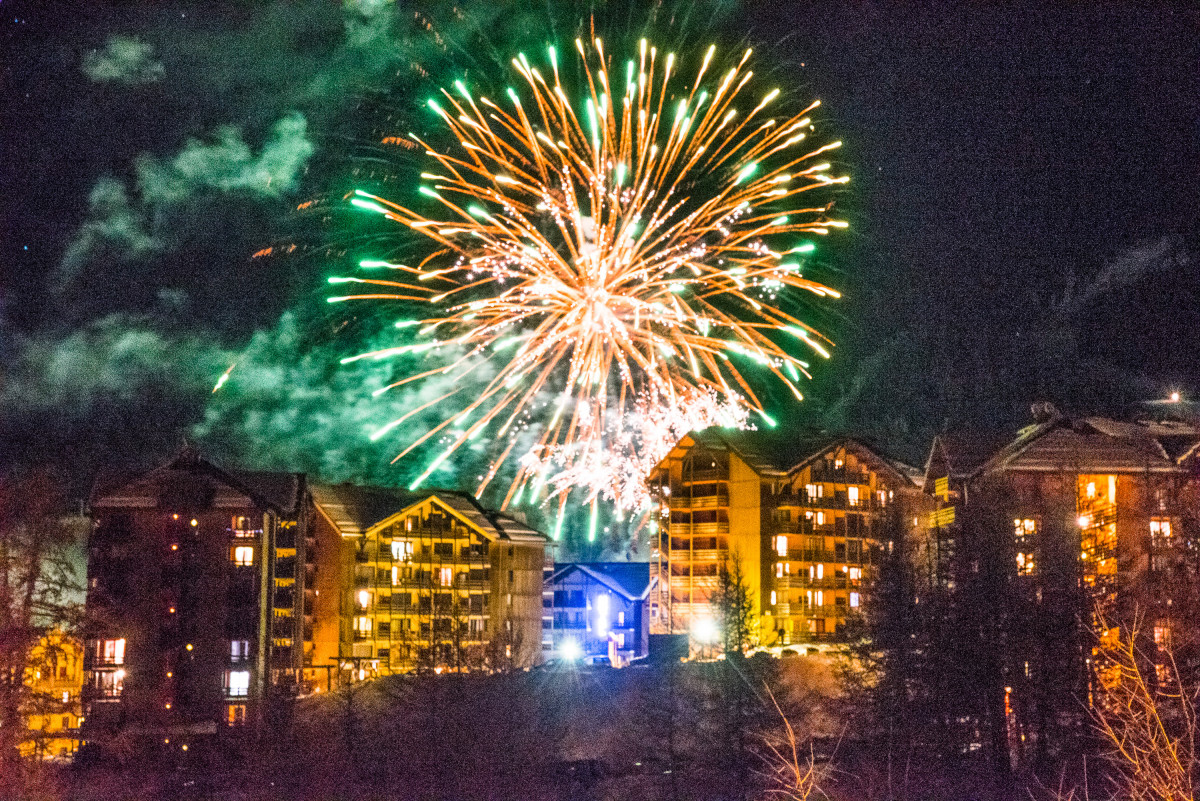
(53, 709)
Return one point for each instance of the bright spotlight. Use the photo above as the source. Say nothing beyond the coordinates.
(704, 630)
(570, 650)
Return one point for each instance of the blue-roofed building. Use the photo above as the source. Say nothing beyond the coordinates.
(600, 610)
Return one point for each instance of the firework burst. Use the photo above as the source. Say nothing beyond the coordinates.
(612, 266)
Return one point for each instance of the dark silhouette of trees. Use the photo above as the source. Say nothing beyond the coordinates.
(39, 592)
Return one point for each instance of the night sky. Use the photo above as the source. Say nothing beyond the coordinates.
(1023, 211)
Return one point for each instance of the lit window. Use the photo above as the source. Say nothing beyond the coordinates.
(854, 600)
(243, 556)
(362, 624)
(364, 599)
(1025, 531)
(1091, 489)
(621, 619)
(235, 714)
(111, 652)
(1162, 634)
(820, 518)
(108, 683)
(402, 551)
(238, 683)
(852, 495)
(779, 570)
(395, 576)
(781, 544)
(241, 527)
(239, 650)
(820, 598)
(855, 573)
(1160, 532)
(772, 597)
(601, 614)
(446, 576)
(838, 464)
(820, 571)
(810, 490)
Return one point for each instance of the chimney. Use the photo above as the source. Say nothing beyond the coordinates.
(1044, 412)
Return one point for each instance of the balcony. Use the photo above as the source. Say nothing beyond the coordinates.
(699, 529)
(700, 501)
(864, 503)
(803, 555)
(826, 583)
(706, 476)
(831, 475)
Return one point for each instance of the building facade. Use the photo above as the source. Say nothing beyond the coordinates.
(52, 708)
(424, 582)
(806, 519)
(197, 586)
(600, 611)
(1074, 528)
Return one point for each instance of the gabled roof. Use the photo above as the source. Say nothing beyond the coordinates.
(781, 453)
(353, 509)
(277, 491)
(1093, 445)
(771, 452)
(630, 580)
(959, 454)
(866, 453)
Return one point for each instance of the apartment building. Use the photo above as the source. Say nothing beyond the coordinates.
(197, 589)
(423, 582)
(601, 611)
(215, 593)
(806, 516)
(1073, 526)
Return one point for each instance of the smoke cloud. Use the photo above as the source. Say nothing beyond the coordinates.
(229, 165)
(113, 226)
(125, 60)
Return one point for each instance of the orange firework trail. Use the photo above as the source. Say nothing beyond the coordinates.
(622, 257)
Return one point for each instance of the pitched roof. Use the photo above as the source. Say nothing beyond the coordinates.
(771, 452)
(278, 491)
(353, 509)
(958, 454)
(630, 580)
(782, 452)
(1093, 445)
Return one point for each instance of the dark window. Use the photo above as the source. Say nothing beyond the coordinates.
(854, 551)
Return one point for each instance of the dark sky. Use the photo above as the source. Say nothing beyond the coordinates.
(1023, 206)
